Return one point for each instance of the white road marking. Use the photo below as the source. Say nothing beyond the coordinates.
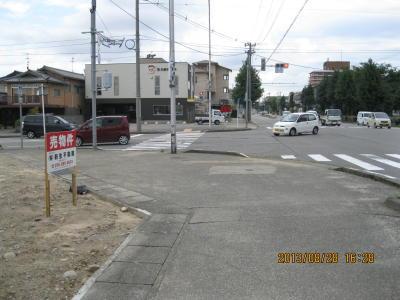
(394, 155)
(383, 160)
(288, 156)
(384, 175)
(318, 157)
(136, 135)
(184, 140)
(269, 127)
(357, 162)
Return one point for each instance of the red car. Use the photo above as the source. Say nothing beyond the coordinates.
(110, 129)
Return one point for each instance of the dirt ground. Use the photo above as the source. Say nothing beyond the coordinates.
(73, 238)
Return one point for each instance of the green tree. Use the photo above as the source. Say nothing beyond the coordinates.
(322, 95)
(282, 103)
(291, 102)
(345, 93)
(273, 104)
(307, 97)
(239, 91)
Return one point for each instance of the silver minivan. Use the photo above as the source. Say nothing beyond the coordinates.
(363, 117)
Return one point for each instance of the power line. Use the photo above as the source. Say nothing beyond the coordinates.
(104, 24)
(274, 21)
(194, 23)
(287, 31)
(266, 18)
(159, 33)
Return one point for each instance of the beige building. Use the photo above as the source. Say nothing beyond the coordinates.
(154, 89)
(329, 69)
(64, 92)
(220, 93)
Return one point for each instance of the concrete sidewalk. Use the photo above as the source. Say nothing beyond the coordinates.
(217, 225)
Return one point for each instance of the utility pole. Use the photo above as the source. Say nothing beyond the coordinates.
(138, 96)
(209, 65)
(249, 52)
(171, 70)
(93, 71)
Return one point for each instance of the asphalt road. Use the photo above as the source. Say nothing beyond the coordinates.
(349, 145)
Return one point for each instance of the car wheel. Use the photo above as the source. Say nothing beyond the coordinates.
(276, 134)
(79, 141)
(315, 130)
(292, 132)
(31, 135)
(338, 124)
(375, 126)
(358, 124)
(322, 122)
(389, 127)
(123, 140)
(216, 122)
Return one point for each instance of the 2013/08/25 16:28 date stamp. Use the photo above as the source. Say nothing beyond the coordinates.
(325, 257)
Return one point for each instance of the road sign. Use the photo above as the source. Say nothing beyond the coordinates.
(61, 150)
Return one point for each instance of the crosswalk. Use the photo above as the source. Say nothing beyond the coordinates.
(163, 142)
(367, 162)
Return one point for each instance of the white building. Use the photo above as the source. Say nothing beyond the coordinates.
(154, 86)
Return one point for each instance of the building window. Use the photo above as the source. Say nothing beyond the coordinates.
(226, 77)
(116, 86)
(159, 110)
(157, 85)
(226, 90)
(179, 109)
(176, 85)
(99, 85)
(56, 92)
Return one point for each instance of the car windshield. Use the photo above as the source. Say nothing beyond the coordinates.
(63, 120)
(381, 115)
(290, 118)
(333, 112)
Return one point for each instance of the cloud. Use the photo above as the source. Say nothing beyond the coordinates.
(16, 8)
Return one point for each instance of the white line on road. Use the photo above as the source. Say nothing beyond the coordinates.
(288, 156)
(358, 162)
(384, 175)
(269, 127)
(383, 160)
(318, 157)
(394, 155)
(136, 135)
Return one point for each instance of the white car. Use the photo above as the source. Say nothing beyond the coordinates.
(363, 117)
(379, 119)
(313, 112)
(296, 123)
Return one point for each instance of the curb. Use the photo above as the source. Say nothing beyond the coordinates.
(9, 136)
(393, 203)
(372, 176)
(231, 153)
(227, 130)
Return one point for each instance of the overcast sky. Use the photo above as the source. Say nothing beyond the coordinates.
(355, 30)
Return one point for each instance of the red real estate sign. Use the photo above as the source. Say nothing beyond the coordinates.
(60, 150)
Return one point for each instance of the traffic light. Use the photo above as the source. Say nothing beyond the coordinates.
(263, 64)
(279, 67)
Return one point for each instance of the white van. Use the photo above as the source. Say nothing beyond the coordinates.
(363, 117)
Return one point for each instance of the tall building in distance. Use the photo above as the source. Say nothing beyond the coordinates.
(329, 69)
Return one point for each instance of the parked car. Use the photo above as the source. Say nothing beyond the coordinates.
(379, 119)
(296, 123)
(110, 129)
(32, 125)
(363, 117)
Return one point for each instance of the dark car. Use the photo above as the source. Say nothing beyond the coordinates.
(110, 129)
(32, 125)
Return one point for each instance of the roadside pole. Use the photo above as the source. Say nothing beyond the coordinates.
(20, 115)
(237, 114)
(74, 191)
(46, 174)
(209, 66)
(138, 95)
(93, 69)
(248, 80)
(171, 70)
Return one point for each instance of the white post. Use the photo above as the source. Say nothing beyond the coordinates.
(171, 70)
(209, 65)
(93, 75)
